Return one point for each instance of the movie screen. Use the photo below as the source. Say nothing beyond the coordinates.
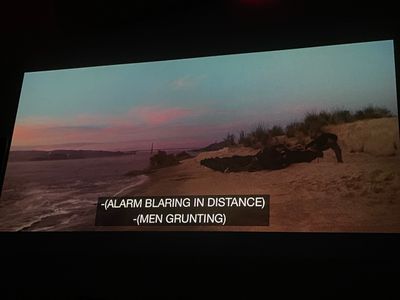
(299, 140)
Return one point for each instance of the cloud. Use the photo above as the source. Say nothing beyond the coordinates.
(153, 115)
(185, 82)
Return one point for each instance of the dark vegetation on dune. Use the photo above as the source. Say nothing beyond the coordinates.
(310, 126)
(161, 160)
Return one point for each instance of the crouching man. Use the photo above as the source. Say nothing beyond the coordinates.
(324, 142)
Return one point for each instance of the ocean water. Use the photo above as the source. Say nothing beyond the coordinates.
(62, 194)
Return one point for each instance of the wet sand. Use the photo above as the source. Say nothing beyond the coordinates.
(62, 194)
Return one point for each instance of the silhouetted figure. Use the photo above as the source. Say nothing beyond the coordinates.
(324, 142)
(299, 156)
(276, 157)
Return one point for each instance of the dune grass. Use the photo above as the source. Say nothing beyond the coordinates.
(310, 125)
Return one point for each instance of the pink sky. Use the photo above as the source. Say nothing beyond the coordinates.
(138, 128)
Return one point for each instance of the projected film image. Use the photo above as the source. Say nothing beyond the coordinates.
(298, 140)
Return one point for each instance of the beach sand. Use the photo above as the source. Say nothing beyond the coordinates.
(360, 195)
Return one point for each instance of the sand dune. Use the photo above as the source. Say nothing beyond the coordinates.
(376, 136)
(360, 195)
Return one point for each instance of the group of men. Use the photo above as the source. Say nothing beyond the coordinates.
(277, 156)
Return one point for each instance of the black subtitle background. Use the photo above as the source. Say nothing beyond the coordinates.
(38, 35)
(234, 216)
